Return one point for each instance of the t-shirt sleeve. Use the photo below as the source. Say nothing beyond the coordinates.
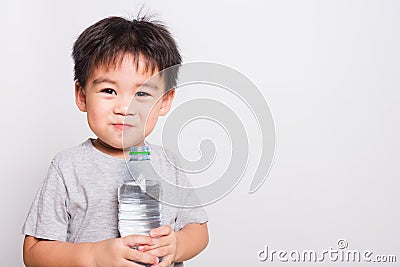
(187, 214)
(48, 216)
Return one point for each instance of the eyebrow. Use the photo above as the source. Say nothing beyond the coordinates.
(149, 85)
(103, 80)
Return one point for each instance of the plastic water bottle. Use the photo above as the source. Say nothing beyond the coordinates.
(139, 206)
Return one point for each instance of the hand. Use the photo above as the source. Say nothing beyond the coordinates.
(165, 247)
(118, 252)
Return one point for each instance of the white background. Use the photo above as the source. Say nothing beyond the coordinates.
(328, 69)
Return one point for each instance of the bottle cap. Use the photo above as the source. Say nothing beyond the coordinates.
(139, 153)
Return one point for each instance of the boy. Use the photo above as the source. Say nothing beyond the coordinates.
(73, 220)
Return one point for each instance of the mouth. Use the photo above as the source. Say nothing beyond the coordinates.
(122, 126)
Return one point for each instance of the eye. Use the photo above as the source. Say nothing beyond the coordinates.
(142, 94)
(109, 91)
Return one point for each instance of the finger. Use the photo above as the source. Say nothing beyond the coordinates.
(160, 251)
(166, 262)
(146, 247)
(132, 240)
(129, 263)
(160, 231)
(138, 256)
(159, 242)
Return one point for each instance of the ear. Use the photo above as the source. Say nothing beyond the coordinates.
(80, 97)
(166, 102)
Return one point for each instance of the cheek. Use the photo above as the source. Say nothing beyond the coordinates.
(96, 115)
(150, 124)
(152, 120)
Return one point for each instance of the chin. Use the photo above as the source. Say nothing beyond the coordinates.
(113, 145)
(132, 140)
(118, 147)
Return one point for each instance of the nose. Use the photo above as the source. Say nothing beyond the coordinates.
(123, 106)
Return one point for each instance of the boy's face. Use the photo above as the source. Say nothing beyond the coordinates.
(120, 111)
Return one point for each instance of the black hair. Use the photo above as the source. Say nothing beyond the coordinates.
(108, 40)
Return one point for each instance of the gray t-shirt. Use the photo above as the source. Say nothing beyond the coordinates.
(77, 201)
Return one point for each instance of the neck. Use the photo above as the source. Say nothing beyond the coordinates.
(121, 153)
